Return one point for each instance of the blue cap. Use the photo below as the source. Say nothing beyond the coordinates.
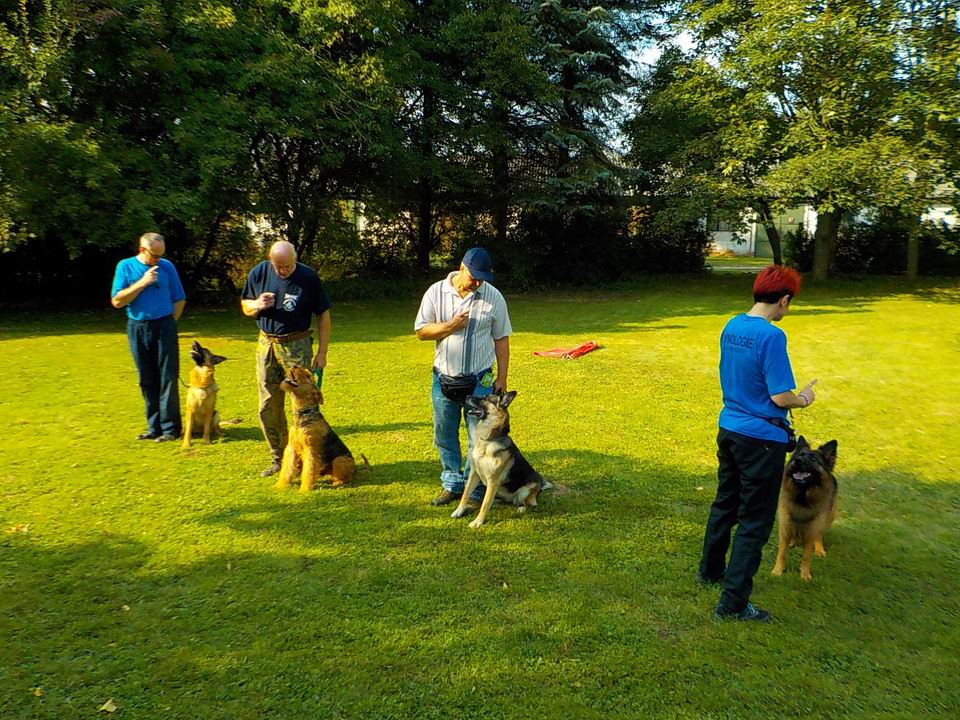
(479, 263)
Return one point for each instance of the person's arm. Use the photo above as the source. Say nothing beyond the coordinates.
(324, 325)
(251, 308)
(178, 309)
(501, 349)
(440, 330)
(130, 293)
(789, 401)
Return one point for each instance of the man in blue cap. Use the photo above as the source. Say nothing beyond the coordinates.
(467, 318)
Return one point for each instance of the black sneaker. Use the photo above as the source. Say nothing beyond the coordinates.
(272, 470)
(166, 437)
(148, 435)
(445, 498)
(708, 581)
(750, 612)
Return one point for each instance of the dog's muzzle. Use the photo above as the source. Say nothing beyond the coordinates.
(474, 407)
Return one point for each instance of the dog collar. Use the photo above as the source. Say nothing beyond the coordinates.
(308, 413)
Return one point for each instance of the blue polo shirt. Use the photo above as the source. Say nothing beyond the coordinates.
(753, 366)
(157, 300)
(299, 297)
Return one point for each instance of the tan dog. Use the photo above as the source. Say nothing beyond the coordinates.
(202, 395)
(808, 503)
(313, 448)
(496, 461)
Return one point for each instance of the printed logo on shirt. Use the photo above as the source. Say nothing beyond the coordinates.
(737, 342)
(290, 301)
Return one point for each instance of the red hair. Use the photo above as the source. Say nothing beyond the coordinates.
(775, 281)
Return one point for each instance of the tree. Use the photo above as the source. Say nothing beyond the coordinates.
(830, 72)
(703, 147)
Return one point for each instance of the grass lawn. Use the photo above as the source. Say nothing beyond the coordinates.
(179, 584)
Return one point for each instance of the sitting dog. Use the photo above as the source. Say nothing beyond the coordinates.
(496, 461)
(202, 395)
(313, 448)
(808, 503)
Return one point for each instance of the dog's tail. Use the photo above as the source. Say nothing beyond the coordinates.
(366, 464)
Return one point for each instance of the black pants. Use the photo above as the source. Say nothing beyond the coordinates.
(748, 487)
(153, 344)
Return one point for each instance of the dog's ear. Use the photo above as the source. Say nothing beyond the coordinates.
(829, 453)
(217, 359)
(507, 398)
(802, 442)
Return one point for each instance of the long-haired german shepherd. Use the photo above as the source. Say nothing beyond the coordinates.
(496, 461)
(808, 503)
(202, 395)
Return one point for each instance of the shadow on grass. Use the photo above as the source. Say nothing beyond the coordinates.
(609, 309)
(356, 603)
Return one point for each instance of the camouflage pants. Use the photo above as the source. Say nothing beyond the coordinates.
(273, 360)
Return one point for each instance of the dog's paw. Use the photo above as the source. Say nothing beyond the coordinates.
(522, 509)
(805, 575)
(476, 523)
(459, 512)
(777, 570)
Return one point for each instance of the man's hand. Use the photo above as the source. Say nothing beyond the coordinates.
(150, 276)
(265, 301)
(458, 321)
(499, 386)
(320, 361)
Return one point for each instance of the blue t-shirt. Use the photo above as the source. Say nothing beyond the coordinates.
(299, 297)
(157, 300)
(753, 366)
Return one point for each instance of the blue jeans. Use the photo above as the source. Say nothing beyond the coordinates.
(446, 437)
(153, 344)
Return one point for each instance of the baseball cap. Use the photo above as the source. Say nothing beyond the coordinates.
(479, 262)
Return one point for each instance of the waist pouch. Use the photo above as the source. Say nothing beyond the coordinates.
(457, 387)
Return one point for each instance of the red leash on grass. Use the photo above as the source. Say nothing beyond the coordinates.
(569, 353)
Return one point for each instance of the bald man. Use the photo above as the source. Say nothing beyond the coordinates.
(284, 295)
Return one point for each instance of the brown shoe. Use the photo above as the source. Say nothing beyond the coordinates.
(445, 498)
(272, 470)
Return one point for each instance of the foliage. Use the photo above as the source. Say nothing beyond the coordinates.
(878, 246)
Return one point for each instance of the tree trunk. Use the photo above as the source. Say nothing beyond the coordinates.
(913, 248)
(425, 199)
(825, 243)
(773, 233)
(501, 175)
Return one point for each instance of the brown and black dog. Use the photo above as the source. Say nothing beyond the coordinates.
(313, 448)
(202, 395)
(496, 461)
(808, 503)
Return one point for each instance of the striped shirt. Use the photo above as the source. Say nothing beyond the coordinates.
(470, 349)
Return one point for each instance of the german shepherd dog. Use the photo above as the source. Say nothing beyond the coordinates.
(313, 448)
(808, 503)
(202, 395)
(496, 461)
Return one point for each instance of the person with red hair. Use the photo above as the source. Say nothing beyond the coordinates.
(752, 442)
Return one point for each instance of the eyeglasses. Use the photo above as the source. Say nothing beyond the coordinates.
(152, 254)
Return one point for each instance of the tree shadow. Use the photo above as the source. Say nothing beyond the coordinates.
(368, 602)
(605, 309)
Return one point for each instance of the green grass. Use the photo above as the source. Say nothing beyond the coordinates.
(181, 585)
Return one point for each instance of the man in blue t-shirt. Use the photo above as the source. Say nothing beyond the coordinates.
(757, 384)
(149, 288)
(284, 296)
